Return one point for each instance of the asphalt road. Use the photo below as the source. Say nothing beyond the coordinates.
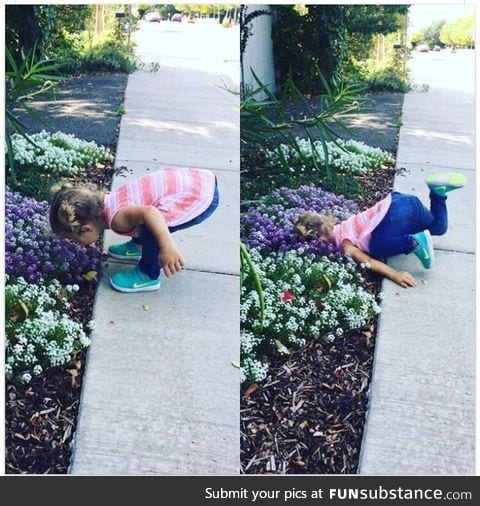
(88, 107)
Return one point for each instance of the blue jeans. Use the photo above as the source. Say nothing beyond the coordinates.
(407, 216)
(150, 250)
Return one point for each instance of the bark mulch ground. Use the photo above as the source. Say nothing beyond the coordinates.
(308, 416)
(40, 418)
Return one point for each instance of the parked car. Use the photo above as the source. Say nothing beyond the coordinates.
(177, 17)
(437, 48)
(152, 17)
(422, 48)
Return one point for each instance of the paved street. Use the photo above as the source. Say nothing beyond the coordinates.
(421, 417)
(160, 394)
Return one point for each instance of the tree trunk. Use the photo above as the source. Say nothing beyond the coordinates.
(99, 19)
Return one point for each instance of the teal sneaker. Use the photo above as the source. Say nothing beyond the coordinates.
(424, 249)
(128, 251)
(134, 281)
(445, 182)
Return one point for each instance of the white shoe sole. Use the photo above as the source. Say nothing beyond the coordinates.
(150, 288)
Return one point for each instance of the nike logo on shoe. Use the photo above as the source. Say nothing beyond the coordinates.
(142, 285)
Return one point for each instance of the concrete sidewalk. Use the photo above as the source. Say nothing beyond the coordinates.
(160, 394)
(421, 417)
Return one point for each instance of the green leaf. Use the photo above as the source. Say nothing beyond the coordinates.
(24, 308)
(90, 275)
(281, 347)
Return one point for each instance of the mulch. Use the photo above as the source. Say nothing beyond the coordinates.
(308, 415)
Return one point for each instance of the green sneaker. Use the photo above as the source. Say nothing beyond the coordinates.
(424, 250)
(128, 251)
(134, 281)
(445, 182)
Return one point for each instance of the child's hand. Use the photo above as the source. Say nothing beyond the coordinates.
(171, 261)
(404, 279)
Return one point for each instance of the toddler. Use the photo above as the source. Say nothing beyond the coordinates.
(148, 209)
(399, 223)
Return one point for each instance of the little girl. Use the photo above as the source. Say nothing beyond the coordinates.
(148, 209)
(397, 224)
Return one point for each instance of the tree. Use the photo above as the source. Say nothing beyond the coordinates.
(460, 32)
(416, 38)
(432, 33)
(323, 38)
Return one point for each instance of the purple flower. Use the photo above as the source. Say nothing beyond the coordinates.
(32, 252)
(269, 224)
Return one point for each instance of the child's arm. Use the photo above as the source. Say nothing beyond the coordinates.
(130, 217)
(402, 278)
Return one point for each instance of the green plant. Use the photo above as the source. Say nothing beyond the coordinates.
(387, 80)
(247, 269)
(39, 333)
(305, 297)
(23, 82)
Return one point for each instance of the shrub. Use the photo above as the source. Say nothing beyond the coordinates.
(38, 332)
(268, 226)
(387, 80)
(305, 296)
(33, 253)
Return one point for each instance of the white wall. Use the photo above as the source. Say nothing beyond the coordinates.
(259, 51)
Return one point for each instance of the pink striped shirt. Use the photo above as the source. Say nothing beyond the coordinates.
(180, 194)
(359, 228)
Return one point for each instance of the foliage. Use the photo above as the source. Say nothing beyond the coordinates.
(431, 34)
(307, 45)
(267, 122)
(102, 57)
(268, 225)
(270, 119)
(83, 38)
(23, 82)
(459, 32)
(39, 333)
(305, 297)
(416, 38)
(33, 253)
(387, 81)
(247, 269)
(324, 38)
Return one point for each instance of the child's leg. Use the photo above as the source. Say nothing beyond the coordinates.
(383, 245)
(150, 251)
(438, 214)
(407, 216)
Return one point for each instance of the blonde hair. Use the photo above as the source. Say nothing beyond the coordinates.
(73, 207)
(312, 224)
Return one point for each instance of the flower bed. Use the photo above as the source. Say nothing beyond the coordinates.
(305, 296)
(303, 407)
(39, 332)
(32, 252)
(49, 292)
(57, 153)
(268, 226)
(309, 290)
(344, 156)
